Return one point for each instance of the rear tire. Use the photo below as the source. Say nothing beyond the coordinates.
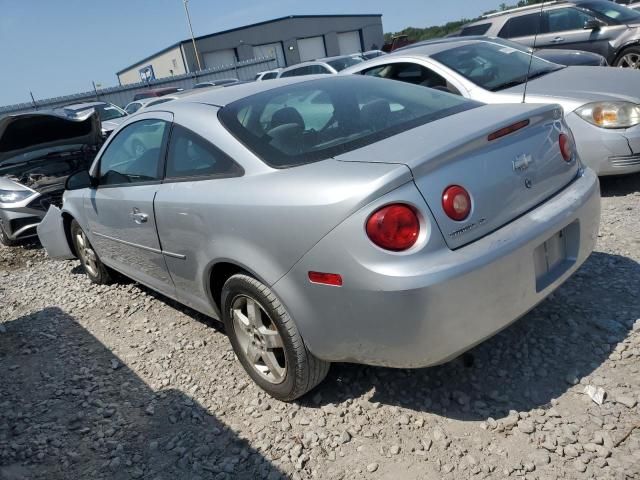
(93, 267)
(5, 240)
(629, 58)
(266, 340)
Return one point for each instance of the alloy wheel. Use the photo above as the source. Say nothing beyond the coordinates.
(630, 60)
(86, 253)
(259, 339)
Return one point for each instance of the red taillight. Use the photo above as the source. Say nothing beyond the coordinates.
(394, 227)
(456, 202)
(566, 147)
(333, 279)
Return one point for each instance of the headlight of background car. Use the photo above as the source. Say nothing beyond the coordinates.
(13, 196)
(611, 114)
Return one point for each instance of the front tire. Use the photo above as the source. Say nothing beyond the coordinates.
(266, 340)
(93, 267)
(629, 58)
(5, 240)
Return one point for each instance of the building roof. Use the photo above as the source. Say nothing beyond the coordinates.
(266, 22)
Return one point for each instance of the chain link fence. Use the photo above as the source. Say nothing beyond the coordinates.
(122, 95)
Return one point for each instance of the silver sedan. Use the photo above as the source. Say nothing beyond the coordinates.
(601, 105)
(340, 219)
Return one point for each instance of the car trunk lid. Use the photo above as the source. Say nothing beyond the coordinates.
(506, 177)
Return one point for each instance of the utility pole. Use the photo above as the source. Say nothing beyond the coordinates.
(33, 100)
(195, 49)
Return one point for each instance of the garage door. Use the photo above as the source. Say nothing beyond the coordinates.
(311, 48)
(270, 50)
(219, 58)
(349, 42)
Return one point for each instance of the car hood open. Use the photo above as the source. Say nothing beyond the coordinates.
(28, 132)
(584, 85)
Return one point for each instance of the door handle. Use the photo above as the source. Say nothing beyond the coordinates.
(138, 216)
(557, 40)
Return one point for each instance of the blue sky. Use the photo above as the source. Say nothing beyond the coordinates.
(57, 47)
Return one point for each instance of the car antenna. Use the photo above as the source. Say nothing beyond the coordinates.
(535, 39)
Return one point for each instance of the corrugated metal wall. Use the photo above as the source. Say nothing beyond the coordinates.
(246, 70)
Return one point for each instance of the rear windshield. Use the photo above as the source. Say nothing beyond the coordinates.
(318, 119)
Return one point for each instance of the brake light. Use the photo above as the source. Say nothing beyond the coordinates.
(566, 147)
(456, 202)
(507, 130)
(394, 227)
(323, 278)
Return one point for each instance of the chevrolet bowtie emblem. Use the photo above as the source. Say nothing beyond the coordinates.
(522, 162)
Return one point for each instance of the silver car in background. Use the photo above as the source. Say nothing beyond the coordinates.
(336, 219)
(601, 105)
(321, 66)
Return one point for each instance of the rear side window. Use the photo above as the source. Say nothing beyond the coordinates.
(522, 26)
(296, 72)
(475, 30)
(190, 155)
(319, 119)
(269, 75)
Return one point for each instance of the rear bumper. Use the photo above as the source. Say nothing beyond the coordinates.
(435, 306)
(607, 152)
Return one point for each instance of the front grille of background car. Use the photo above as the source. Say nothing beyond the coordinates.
(622, 161)
(45, 201)
(18, 223)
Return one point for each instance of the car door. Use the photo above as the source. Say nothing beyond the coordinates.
(565, 28)
(120, 211)
(191, 204)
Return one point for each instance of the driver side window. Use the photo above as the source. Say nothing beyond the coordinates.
(413, 73)
(565, 19)
(134, 155)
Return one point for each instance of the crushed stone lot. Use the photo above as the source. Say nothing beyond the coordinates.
(116, 382)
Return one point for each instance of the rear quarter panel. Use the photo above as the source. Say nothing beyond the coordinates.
(262, 222)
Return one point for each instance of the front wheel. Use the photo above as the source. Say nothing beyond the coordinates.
(630, 58)
(266, 340)
(5, 240)
(93, 267)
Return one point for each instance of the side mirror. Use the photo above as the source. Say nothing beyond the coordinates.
(80, 180)
(592, 25)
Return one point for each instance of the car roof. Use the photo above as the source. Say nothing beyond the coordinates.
(431, 47)
(221, 97)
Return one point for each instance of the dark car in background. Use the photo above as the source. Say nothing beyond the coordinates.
(598, 26)
(38, 152)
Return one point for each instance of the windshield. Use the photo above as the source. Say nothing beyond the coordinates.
(318, 119)
(612, 11)
(492, 66)
(341, 63)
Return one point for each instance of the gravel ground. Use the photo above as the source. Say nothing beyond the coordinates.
(116, 382)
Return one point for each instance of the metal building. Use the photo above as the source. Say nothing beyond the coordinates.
(290, 40)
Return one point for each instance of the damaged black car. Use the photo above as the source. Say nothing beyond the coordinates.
(38, 152)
